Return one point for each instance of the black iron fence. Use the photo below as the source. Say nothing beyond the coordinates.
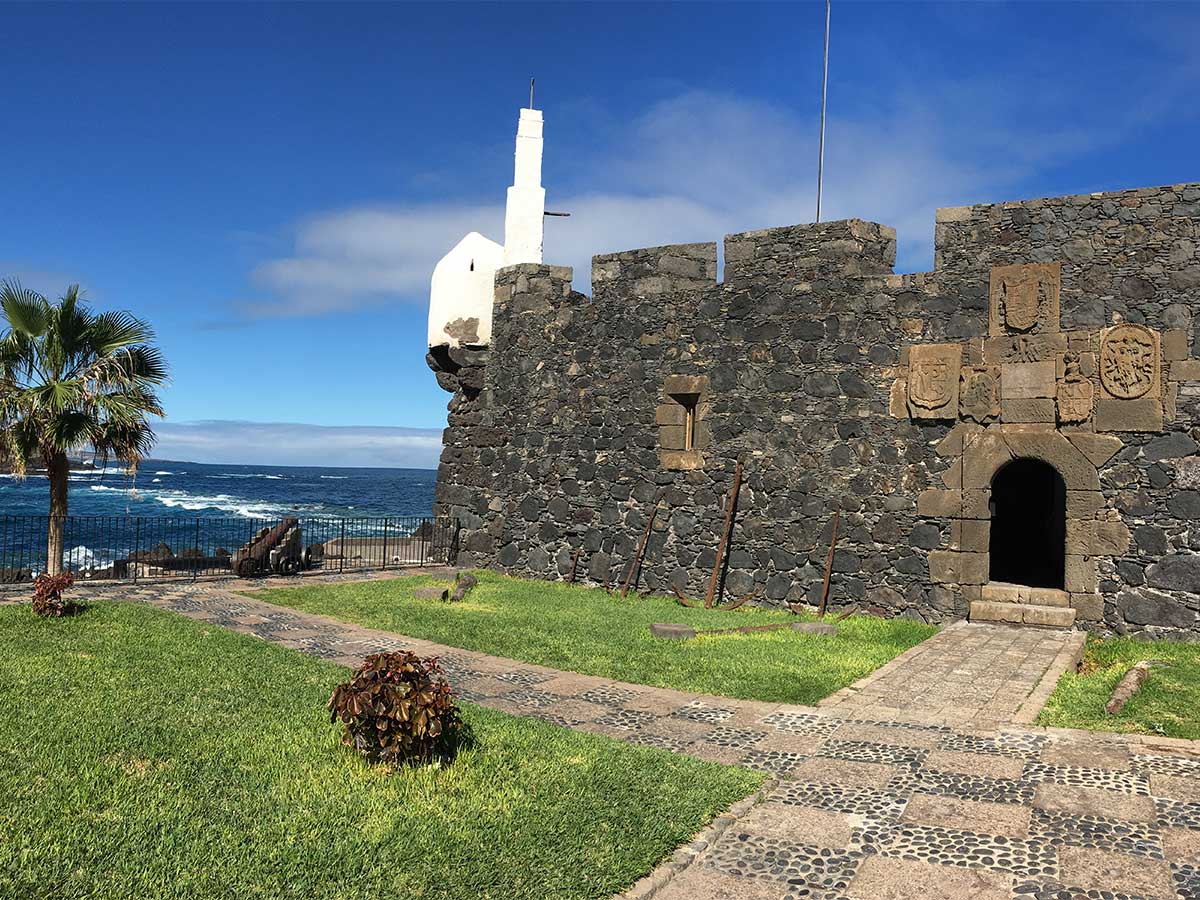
(140, 548)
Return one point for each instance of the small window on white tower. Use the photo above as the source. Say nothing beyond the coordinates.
(472, 265)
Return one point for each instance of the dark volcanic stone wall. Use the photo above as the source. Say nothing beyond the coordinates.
(553, 446)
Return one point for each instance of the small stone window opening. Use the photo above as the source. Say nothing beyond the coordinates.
(472, 265)
(683, 432)
(688, 402)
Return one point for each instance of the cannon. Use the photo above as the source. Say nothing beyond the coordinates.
(274, 549)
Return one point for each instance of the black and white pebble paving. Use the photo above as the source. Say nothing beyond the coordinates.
(820, 870)
(1178, 766)
(608, 695)
(864, 751)
(1096, 832)
(626, 718)
(950, 847)
(778, 762)
(524, 677)
(737, 738)
(1079, 776)
(1187, 880)
(802, 723)
(1024, 746)
(699, 711)
(835, 798)
(966, 787)
(1043, 890)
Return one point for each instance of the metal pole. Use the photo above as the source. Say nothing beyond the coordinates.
(824, 93)
(531, 92)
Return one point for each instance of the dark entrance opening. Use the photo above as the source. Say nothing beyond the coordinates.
(1029, 525)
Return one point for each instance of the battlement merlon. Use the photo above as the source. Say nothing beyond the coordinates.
(654, 270)
(847, 248)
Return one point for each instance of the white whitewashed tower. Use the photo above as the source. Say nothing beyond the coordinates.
(526, 208)
(461, 290)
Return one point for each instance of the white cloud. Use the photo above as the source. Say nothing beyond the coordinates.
(700, 165)
(295, 444)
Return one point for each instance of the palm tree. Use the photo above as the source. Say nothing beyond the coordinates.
(71, 379)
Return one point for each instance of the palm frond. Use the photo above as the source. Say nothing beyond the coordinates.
(26, 310)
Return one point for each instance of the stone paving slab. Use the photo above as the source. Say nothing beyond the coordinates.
(967, 673)
(859, 808)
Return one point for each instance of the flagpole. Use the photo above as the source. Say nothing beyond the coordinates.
(824, 93)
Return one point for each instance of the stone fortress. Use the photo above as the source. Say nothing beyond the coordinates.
(1011, 437)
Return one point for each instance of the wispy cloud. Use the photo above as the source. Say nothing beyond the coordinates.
(295, 444)
(700, 165)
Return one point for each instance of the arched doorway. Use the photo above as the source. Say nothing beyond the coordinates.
(1029, 525)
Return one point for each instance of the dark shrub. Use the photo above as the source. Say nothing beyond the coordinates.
(398, 709)
(47, 595)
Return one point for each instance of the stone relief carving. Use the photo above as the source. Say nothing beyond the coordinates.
(1024, 296)
(1076, 393)
(933, 379)
(979, 394)
(1129, 361)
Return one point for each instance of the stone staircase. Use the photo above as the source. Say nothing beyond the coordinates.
(1018, 604)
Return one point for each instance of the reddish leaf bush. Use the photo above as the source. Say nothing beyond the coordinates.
(48, 595)
(397, 709)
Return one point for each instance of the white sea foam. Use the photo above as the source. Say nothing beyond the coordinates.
(84, 558)
(164, 473)
(156, 481)
(334, 477)
(238, 506)
(246, 475)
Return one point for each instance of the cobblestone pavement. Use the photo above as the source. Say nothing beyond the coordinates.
(858, 808)
(984, 675)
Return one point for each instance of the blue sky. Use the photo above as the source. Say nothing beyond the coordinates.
(271, 185)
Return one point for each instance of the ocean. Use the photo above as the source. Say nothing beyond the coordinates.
(196, 490)
(192, 515)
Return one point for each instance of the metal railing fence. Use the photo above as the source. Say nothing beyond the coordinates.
(142, 548)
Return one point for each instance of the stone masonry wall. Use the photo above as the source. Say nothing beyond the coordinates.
(554, 439)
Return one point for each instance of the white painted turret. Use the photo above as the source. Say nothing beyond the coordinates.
(462, 289)
(524, 214)
(461, 292)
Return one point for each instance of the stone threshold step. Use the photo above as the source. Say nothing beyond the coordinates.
(1003, 592)
(1021, 614)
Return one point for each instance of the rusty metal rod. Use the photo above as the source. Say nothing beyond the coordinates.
(828, 565)
(575, 564)
(721, 547)
(637, 557)
(684, 600)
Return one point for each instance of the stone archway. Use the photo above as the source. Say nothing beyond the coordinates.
(1091, 531)
(1027, 545)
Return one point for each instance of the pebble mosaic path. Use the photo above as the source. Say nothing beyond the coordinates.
(864, 802)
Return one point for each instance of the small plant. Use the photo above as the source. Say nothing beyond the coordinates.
(48, 595)
(397, 710)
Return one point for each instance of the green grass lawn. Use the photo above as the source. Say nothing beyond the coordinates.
(1168, 703)
(143, 755)
(586, 630)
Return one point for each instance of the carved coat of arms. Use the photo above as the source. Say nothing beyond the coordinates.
(930, 385)
(1024, 295)
(933, 380)
(1128, 361)
(979, 397)
(1076, 393)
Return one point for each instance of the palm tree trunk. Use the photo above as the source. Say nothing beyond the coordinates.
(57, 468)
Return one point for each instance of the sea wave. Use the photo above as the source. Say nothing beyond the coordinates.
(164, 473)
(238, 506)
(246, 475)
(334, 477)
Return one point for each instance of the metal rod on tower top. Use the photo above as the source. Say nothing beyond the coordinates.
(531, 92)
(824, 92)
